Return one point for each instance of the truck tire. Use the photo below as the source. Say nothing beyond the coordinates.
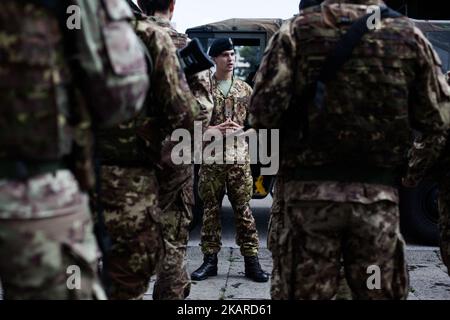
(419, 213)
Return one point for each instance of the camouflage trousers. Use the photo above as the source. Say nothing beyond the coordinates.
(130, 202)
(239, 185)
(444, 221)
(176, 197)
(48, 250)
(319, 235)
(275, 227)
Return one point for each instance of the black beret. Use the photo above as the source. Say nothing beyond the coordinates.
(221, 45)
(309, 3)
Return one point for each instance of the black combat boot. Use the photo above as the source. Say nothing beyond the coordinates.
(207, 269)
(253, 270)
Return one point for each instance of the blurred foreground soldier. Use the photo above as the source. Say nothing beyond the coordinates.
(53, 83)
(276, 222)
(343, 139)
(231, 97)
(176, 182)
(422, 162)
(130, 154)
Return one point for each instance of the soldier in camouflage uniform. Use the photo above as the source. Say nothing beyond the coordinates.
(431, 156)
(338, 163)
(176, 193)
(276, 223)
(131, 153)
(47, 246)
(231, 98)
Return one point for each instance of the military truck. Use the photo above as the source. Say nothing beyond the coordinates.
(418, 207)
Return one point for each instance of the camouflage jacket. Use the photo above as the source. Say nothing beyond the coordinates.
(169, 105)
(390, 86)
(233, 106)
(41, 87)
(174, 178)
(199, 83)
(180, 40)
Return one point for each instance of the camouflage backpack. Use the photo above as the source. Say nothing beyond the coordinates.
(136, 142)
(49, 72)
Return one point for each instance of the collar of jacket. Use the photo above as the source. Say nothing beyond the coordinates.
(232, 91)
(161, 21)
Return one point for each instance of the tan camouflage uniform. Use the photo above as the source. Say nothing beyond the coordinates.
(46, 228)
(47, 244)
(237, 178)
(131, 188)
(338, 179)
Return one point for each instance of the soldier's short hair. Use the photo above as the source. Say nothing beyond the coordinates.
(151, 6)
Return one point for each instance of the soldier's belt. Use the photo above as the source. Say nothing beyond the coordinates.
(349, 174)
(23, 170)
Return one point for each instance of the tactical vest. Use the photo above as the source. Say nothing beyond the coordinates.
(358, 115)
(34, 84)
(41, 116)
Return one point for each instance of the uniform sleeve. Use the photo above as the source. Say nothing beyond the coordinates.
(429, 111)
(249, 93)
(274, 82)
(171, 95)
(200, 85)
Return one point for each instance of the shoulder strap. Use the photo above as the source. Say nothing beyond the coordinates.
(343, 51)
